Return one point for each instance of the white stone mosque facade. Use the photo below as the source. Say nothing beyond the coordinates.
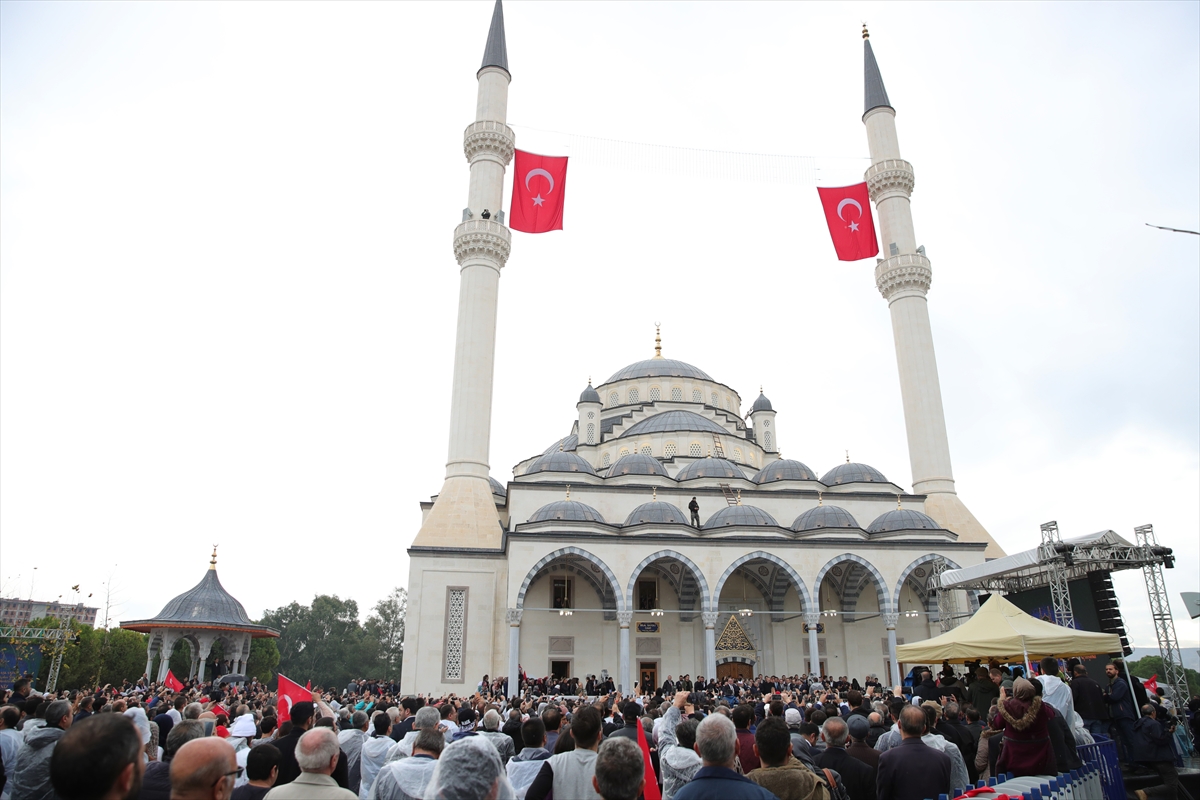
(588, 560)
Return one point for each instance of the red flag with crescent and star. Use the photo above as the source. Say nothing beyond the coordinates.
(172, 683)
(290, 692)
(539, 188)
(848, 212)
(1151, 684)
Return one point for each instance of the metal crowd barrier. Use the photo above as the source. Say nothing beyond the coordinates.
(1098, 779)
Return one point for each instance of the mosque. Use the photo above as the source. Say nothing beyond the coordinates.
(589, 561)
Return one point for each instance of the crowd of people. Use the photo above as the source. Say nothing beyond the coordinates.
(793, 738)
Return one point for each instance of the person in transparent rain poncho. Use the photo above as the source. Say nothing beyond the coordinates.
(408, 778)
(469, 769)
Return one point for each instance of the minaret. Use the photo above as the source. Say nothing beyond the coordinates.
(464, 514)
(903, 277)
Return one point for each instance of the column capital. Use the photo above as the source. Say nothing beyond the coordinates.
(812, 618)
(514, 616)
(892, 177)
(482, 241)
(710, 618)
(488, 140)
(624, 618)
(890, 620)
(903, 275)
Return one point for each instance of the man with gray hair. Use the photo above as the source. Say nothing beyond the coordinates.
(31, 771)
(351, 739)
(620, 769)
(502, 741)
(427, 718)
(408, 778)
(716, 742)
(858, 776)
(317, 753)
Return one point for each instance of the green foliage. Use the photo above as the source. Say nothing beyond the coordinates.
(264, 659)
(385, 627)
(94, 657)
(180, 662)
(1153, 665)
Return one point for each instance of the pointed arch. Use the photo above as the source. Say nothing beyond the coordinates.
(881, 587)
(972, 594)
(571, 551)
(682, 559)
(797, 581)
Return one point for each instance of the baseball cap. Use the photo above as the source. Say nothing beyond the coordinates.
(858, 726)
(791, 716)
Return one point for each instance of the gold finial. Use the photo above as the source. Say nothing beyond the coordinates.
(560, 446)
(760, 388)
(709, 453)
(655, 496)
(865, 34)
(847, 456)
(568, 491)
(820, 499)
(589, 380)
(898, 506)
(212, 564)
(657, 340)
(739, 497)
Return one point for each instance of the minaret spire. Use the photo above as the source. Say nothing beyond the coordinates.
(495, 54)
(903, 278)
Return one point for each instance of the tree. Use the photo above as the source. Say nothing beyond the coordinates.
(1153, 665)
(386, 628)
(324, 643)
(264, 659)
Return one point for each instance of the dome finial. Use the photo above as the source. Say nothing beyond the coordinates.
(657, 340)
(568, 491)
(820, 499)
(739, 497)
(212, 564)
(865, 34)
(560, 445)
(847, 456)
(654, 497)
(898, 506)
(709, 453)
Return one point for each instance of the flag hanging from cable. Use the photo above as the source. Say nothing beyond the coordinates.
(848, 213)
(538, 193)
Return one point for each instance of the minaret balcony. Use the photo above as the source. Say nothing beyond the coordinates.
(488, 140)
(482, 239)
(903, 275)
(890, 178)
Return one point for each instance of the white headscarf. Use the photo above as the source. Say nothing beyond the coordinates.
(470, 769)
(138, 717)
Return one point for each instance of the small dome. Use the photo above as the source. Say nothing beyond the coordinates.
(497, 487)
(761, 404)
(710, 468)
(903, 519)
(784, 469)
(671, 421)
(656, 511)
(853, 473)
(637, 464)
(659, 368)
(739, 515)
(560, 462)
(567, 444)
(568, 510)
(824, 517)
(589, 395)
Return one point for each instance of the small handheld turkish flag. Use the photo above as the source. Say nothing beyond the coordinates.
(650, 789)
(290, 692)
(848, 212)
(539, 189)
(172, 683)
(1151, 684)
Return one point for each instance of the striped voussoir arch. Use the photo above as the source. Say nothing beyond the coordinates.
(779, 588)
(881, 590)
(571, 551)
(682, 559)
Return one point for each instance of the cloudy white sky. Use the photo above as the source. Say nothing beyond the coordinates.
(227, 292)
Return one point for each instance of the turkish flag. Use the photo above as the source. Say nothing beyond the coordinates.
(539, 189)
(290, 692)
(172, 683)
(650, 790)
(848, 212)
(1151, 684)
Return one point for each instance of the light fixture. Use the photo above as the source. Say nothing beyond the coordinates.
(745, 612)
(565, 612)
(829, 613)
(656, 612)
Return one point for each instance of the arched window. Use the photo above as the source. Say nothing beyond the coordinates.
(728, 403)
(624, 451)
(613, 400)
(767, 440)
(694, 450)
(677, 394)
(753, 461)
(715, 402)
(669, 450)
(646, 451)
(605, 460)
(737, 454)
(654, 394)
(633, 396)
(591, 433)
(697, 396)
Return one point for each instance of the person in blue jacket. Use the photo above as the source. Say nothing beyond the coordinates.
(1119, 698)
(1152, 747)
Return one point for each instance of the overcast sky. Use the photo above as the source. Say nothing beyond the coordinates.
(228, 297)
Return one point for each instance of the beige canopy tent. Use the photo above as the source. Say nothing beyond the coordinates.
(1004, 632)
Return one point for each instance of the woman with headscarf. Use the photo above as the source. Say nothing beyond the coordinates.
(1025, 722)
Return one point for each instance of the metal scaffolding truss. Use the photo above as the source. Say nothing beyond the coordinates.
(1164, 626)
(58, 635)
(1050, 551)
(946, 600)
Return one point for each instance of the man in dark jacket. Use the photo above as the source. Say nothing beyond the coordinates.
(858, 776)
(877, 728)
(156, 781)
(1120, 707)
(927, 689)
(512, 727)
(984, 689)
(100, 757)
(1089, 701)
(716, 741)
(743, 716)
(859, 728)
(912, 770)
(630, 712)
(1152, 747)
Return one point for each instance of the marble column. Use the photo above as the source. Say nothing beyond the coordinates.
(623, 683)
(890, 620)
(514, 651)
(779, 646)
(814, 648)
(710, 643)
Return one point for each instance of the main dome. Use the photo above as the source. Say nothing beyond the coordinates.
(670, 421)
(659, 368)
(637, 464)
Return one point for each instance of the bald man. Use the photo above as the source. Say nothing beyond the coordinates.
(203, 769)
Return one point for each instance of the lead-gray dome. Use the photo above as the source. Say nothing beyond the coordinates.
(824, 517)
(659, 367)
(637, 464)
(903, 519)
(761, 404)
(205, 605)
(784, 469)
(560, 462)
(589, 395)
(710, 468)
(567, 510)
(671, 421)
(566, 444)
(853, 473)
(658, 512)
(739, 515)
(497, 487)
